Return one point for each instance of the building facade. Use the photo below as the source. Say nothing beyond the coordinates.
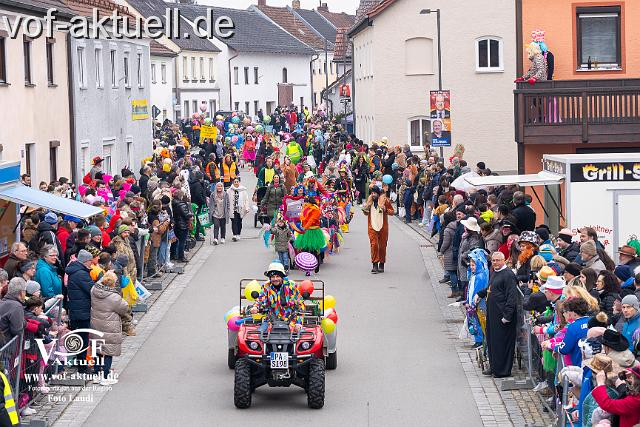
(163, 81)
(395, 67)
(34, 95)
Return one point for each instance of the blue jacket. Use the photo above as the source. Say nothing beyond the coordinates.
(79, 286)
(47, 276)
(575, 332)
(630, 326)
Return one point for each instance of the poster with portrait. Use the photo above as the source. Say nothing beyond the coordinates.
(440, 114)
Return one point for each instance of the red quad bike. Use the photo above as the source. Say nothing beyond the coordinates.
(271, 353)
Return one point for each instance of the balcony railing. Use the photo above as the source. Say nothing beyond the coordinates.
(574, 111)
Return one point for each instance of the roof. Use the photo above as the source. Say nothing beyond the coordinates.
(364, 7)
(156, 49)
(315, 20)
(253, 33)
(342, 48)
(293, 25)
(540, 178)
(158, 8)
(104, 7)
(379, 8)
(338, 20)
(39, 7)
(28, 196)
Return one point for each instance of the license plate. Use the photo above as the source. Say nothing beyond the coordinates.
(279, 360)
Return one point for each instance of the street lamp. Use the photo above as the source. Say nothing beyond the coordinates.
(437, 12)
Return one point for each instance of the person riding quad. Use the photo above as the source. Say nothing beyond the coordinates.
(280, 298)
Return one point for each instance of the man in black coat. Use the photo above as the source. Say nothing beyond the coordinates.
(501, 326)
(524, 215)
(198, 196)
(79, 286)
(568, 248)
(143, 182)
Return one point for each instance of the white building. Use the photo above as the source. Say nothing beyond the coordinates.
(396, 66)
(163, 81)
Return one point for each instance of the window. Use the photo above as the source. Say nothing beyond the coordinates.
(325, 67)
(153, 73)
(489, 54)
(246, 107)
(418, 132)
(26, 44)
(270, 107)
(127, 80)
(193, 68)
(256, 107)
(139, 69)
(107, 155)
(3, 61)
(186, 110)
(84, 160)
(114, 77)
(129, 142)
(314, 70)
(163, 72)
(211, 74)
(235, 76)
(195, 106)
(284, 76)
(53, 160)
(255, 75)
(418, 56)
(331, 67)
(320, 67)
(236, 106)
(246, 76)
(598, 37)
(82, 82)
(202, 75)
(315, 98)
(213, 107)
(185, 68)
(99, 68)
(30, 158)
(301, 103)
(50, 46)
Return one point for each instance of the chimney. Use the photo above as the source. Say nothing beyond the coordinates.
(262, 2)
(323, 7)
(295, 4)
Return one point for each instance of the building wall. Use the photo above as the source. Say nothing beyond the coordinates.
(482, 102)
(38, 114)
(558, 19)
(162, 89)
(104, 124)
(365, 88)
(193, 85)
(320, 77)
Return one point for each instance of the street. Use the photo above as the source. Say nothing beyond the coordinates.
(396, 365)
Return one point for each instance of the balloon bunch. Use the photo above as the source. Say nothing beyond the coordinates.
(330, 318)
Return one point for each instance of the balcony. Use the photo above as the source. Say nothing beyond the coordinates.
(578, 111)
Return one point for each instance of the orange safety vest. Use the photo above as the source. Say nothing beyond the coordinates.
(214, 174)
(229, 172)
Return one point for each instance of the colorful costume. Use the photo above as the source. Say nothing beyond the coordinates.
(283, 303)
(312, 240)
(294, 151)
(378, 227)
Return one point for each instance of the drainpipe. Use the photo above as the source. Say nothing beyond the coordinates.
(353, 86)
(230, 83)
(177, 85)
(72, 121)
(313, 101)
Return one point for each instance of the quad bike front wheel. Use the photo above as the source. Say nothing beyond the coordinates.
(242, 384)
(331, 362)
(315, 384)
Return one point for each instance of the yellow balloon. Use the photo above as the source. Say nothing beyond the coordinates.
(328, 326)
(230, 315)
(257, 316)
(250, 288)
(329, 302)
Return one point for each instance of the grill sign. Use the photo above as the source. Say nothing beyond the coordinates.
(604, 172)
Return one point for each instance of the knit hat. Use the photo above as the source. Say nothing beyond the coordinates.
(573, 269)
(543, 233)
(16, 285)
(623, 272)
(32, 287)
(51, 218)
(631, 300)
(95, 231)
(588, 248)
(84, 256)
(70, 218)
(546, 251)
(565, 235)
(123, 228)
(26, 265)
(93, 250)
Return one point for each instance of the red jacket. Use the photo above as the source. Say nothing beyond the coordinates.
(63, 234)
(628, 408)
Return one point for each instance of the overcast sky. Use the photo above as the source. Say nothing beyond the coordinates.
(348, 6)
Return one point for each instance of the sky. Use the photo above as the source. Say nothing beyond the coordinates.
(348, 6)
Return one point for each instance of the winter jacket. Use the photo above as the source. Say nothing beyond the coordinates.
(63, 234)
(47, 276)
(226, 208)
(525, 217)
(628, 408)
(446, 249)
(124, 248)
(273, 199)
(492, 241)
(181, 214)
(11, 266)
(107, 310)
(198, 193)
(569, 345)
(571, 252)
(281, 237)
(595, 264)
(607, 300)
(46, 236)
(629, 327)
(469, 242)
(243, 200)
(79, 286)
(11, 318)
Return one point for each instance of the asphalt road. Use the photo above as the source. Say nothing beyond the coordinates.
(396, 366)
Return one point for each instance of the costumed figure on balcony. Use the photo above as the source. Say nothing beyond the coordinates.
(538, 68)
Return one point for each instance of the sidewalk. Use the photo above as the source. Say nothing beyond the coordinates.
(65, 405)
(521, 408)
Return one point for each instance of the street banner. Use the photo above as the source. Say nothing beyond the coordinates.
(139, 109)
(440, 114)
(208, 132)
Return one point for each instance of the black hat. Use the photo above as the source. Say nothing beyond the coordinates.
(573, 269)
(536, 302)
(543, 233)
(615, 340)
(375, 189)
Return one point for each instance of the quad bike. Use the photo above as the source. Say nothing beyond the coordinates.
(265, 351)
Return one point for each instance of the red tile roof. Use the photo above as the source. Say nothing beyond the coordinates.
(105, 7)
(339, 20)
(292, 25)
(342, 47)
(156, 49)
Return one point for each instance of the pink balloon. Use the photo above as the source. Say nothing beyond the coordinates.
(231, 324)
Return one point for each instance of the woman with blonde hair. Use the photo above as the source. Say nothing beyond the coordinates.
(573, 291)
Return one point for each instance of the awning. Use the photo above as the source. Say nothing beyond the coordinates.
(540, 178)
(23, 195)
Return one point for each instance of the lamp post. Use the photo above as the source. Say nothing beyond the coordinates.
(429, 12)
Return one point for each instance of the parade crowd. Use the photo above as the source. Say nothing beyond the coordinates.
(500, 261)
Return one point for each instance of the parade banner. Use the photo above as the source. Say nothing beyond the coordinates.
(208, 132)
(139, 109)
(440, 114)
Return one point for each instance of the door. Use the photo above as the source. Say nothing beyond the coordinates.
(285, 94)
